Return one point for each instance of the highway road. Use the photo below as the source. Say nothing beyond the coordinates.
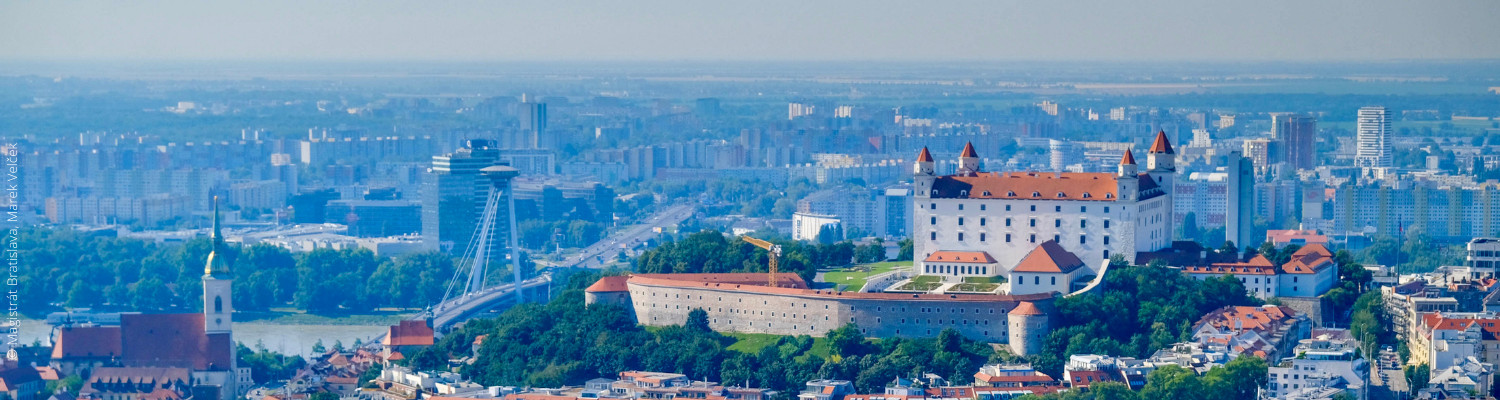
(604, 251)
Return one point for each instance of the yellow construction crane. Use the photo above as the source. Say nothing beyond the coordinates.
(772, 248)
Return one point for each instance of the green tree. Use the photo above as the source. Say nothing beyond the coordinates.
(1172, 382)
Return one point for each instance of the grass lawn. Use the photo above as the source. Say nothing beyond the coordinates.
(752, 343)
(927, 279)
(984, 279)
(975, 287)
(855, 277)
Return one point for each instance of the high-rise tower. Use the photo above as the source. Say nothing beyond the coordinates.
(1374, 138)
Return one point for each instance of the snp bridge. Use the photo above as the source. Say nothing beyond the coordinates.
(467, 293)
(453, 311)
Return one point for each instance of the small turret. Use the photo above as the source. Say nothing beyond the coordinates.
(968, 161)
(1161, 158)
(1127, 165)
(924, 165)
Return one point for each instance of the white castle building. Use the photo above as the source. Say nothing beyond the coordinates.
(976, 223)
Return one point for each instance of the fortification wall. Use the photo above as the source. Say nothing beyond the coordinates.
(814, 313)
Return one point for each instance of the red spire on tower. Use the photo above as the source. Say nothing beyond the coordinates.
(924, 156)
(969, 150)
(1161, 145)
(1128, 159)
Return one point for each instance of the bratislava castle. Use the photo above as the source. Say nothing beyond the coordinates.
(977, 223)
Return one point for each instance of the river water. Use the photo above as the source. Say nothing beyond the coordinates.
(283, 338)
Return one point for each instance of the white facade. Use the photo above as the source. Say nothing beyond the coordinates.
(258, 195)
(1321, 363)
(1373, 136)
(1006, 215)
(807, 226)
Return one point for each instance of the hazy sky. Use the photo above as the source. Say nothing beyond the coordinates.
(751, 30)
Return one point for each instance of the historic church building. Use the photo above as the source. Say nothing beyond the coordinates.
(179, 355)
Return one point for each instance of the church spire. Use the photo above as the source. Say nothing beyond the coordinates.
(216, 265)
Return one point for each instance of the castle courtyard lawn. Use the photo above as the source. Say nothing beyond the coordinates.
(855, 277)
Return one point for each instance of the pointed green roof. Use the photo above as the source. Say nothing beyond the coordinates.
(216, 266)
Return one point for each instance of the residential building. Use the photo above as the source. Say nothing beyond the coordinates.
(258, 195)
(1328, 360)
(1373, 136)
(1310, 273)
(810, 227)
(1267, 331)
(376, 218)
(1391, 208)
(1298, 136)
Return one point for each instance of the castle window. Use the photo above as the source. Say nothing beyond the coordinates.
(1036, 280)
(1083, 239)
(1083, 223)
(1010, 193)
(1036, 194)
(932, 206)
(962, 193)
(218, 304)
(1106, 240)
(1033, 208)
(1106, 209)
(1033, 222)
(1109, 195)
(1007, 222)
(961, 205)
(1007, 238)
(1007, 207)
(1054, 280)
(981, 220)
(1058, 209)
(960, 219)
(934, 236)
(1106, 222)
(982, 206)
(1033, 238)
(981, 237)
(1083, 208)
(1087, 195)
(960, 236)
(1061, 194)
(934, 220)
(1057, 238)
(1057, 223)
(1106, 254)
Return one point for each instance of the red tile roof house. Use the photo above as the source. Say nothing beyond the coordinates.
(404, 340)
(1269, 332)
(20, 382)
(1309, 273)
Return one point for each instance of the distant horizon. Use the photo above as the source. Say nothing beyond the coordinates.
(768, 30)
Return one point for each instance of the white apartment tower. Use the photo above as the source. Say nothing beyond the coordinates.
(1003, 216)
(1374, 138)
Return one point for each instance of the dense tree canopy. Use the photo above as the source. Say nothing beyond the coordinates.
(74, 269)
(563, 342)
(713, 252)
(1141, 309)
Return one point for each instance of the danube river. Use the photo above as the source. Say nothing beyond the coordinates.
(284, 338)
